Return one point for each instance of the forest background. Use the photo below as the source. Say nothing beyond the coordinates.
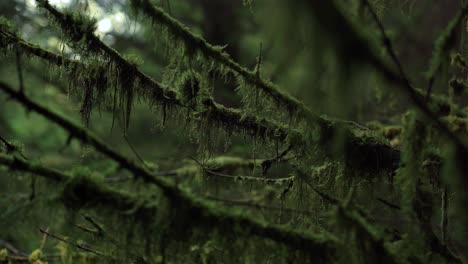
(229, 131)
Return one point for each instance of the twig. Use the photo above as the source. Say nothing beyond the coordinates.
(389, 204)
(76, 244)
(266, 164)
(88, 230)
(236, 177)
(12, 148)
(169, 10)
(387, 42)
(44, 239)
(135, 152)
(259, 62)
(443, 213)
(18, 67)
(11, 248)
(94, 223)
(9, 146)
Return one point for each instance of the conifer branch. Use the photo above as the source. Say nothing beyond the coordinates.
(200, 211)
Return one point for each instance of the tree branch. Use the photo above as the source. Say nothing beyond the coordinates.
(196, 42)
(201, 212)
(373, 154)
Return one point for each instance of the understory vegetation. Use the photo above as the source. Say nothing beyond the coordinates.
(229, 131)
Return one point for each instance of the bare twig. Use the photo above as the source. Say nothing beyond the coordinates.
(94, 223)
(238, 177)
(389, 204)
(76, 244)
(44, 239)
(19, 68)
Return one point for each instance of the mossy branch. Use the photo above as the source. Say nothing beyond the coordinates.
(236, 120)
(195, 42)
(91, 193)
(8, 37)
(216, 113)
(201, 211)
(386, 157)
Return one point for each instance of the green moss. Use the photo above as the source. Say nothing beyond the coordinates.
(408, 176)
(457, 86)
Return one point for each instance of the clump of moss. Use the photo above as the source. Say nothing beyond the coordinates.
(391, 132)
(457, 124)
(35, 257)
(457, 86)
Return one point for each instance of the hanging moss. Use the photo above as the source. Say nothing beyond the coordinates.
(213, 58)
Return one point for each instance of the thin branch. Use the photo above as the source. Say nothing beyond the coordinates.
(135, 151)
(76, 244)
(94, 223)
(10, 148)
(11, 248)
(44, 239)
(389, 204)
(444, 213)
(8, 145)
(238, 177)
(19, 69)
(387, 42)
(266, 164)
